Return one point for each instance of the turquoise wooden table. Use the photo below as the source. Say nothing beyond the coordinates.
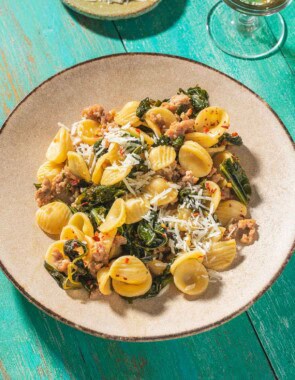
(39, 38)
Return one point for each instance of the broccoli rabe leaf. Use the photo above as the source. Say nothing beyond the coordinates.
(59, 277)
(198, 96)
(231, 139)
(235, 174)
(97, 216)
(176, 143)
(145, 105)
(80, 272)
(158, 284)
(95, 196)
(151, 234)
(98, 149)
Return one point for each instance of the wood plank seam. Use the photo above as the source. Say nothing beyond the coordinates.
(262, 347)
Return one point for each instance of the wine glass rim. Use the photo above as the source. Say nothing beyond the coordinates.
(258, 10)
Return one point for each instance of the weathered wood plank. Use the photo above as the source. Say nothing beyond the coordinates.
(274, 320)
(40, 38)
(34, 346)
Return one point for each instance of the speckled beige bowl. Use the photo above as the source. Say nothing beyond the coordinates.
(267, 155)
(113, 11)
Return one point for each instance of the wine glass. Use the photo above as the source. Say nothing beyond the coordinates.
(247, 28)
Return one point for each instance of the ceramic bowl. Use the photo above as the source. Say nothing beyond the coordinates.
(113, 11)
(267, 155)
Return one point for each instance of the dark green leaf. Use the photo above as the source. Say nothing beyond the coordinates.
(235, 174)
(98, 149)
(182, 108)
(97, 216)
(96, 196)
(38, 186)
(230, 139)
(165, 140)
(199, 98)
(59, 277)
(81, 274)
(151, 234)
(145, 105)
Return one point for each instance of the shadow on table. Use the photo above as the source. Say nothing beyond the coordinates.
(82, 356)
(158, 20)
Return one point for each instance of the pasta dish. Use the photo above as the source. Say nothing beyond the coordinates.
(143, 197)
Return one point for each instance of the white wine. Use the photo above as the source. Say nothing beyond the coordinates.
(258, 7)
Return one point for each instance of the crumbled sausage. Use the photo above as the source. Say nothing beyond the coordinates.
(99, 256)
(226, 193)
(248, 227)
(188, 178)
(59, 262)
(44, 195)
(180, 128)
(173, 172)
(97, 113)
(63, 187)
(158, 120)
(244, 230)
(176, 101)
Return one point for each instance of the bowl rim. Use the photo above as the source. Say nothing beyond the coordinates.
(158, 337)
(123, 16)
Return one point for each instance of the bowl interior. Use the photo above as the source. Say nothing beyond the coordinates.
(267, 156)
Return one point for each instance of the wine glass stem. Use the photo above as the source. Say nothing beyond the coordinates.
(247, 24)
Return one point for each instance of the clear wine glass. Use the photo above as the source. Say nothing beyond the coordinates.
(247, 28)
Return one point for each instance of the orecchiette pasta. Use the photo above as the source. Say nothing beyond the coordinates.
(220, 234)
(129, 269)
(114, 174)
(71, 232)
(60, 146)
(161, 157)
(221, 255)
(218, 149)
(78, 166)
(206, 140)
(82, 222)
(107, 240)
(131, 290)
(194, 157)
(52, 217)
(213, 191)
(128, 114)
(191, 277)
(197, 255)
(136, 208)
(100, 165)
(160, 192)
(104, 281)
(55, 253)
(157, 267)
(220, 157)
(213, 119)
(230, 210)
(151, 193)
(157, 117)
(116, 216)
(48, 170)
(89, 131)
